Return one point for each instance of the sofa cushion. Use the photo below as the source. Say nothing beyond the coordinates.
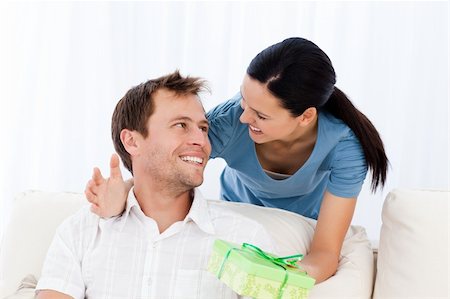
(413, 249)
(26, 289)
(36, 216)
(293, 234)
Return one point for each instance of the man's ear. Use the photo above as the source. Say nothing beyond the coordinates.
(130, 141)
(307, 116)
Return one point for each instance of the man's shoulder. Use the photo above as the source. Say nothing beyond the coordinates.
(81, 220)
(241, 223)
(229, 209)
(282, 231)
(234, 213)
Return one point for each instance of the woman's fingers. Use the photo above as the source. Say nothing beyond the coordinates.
(97, 176)
(95, 209)
(114, 165)
(90, 195)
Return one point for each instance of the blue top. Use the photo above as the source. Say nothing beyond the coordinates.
(336, 164)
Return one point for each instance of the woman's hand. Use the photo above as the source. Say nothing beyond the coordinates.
(334, 220)
(108, 196)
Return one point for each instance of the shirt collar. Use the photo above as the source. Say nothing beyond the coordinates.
(198, 213)
(131, 202)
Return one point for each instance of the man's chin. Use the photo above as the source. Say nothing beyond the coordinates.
(196, 183)
(193, 182)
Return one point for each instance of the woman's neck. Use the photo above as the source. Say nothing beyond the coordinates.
(299, 137)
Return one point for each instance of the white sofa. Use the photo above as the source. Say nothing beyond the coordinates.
(412, 259)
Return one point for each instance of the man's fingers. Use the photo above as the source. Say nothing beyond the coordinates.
(97, 176)
(114, 165)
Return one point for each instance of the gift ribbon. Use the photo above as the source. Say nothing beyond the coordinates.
(290, 261)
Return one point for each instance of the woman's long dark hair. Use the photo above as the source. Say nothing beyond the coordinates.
(301, 75)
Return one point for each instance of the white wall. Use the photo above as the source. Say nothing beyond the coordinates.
(63, 66)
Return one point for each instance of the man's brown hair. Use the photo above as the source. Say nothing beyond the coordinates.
(134, 109)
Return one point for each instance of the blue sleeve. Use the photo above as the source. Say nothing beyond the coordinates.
(348, 168)
(223, 121)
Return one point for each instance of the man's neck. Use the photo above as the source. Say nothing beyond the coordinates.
(163, 206)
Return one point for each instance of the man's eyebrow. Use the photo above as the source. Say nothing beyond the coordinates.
(188, 119)
(205, 122)
(258, 112)
(181, 117)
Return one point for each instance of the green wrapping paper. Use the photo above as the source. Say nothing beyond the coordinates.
(251, 272)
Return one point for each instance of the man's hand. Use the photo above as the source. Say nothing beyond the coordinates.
(107, 196)
(50, 294)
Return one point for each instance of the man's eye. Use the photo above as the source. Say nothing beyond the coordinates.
(180, 125)
(204, 129)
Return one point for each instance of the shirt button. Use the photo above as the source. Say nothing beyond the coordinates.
(155, 245)
(149, 281)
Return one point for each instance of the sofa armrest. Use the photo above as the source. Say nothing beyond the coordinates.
(413, 250)
(34, 219)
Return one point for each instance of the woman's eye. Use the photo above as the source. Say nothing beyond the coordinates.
(261, 117)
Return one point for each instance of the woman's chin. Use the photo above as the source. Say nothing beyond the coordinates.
(257, 138)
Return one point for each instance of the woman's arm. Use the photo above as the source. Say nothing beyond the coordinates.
(335, 216)
(108, 196)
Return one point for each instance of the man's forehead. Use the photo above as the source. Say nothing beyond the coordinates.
(168, 104)
(163, 94)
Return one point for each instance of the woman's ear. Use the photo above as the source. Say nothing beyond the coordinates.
(308, 116)
(130, 141)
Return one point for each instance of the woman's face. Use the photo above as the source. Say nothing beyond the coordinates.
(267, 120)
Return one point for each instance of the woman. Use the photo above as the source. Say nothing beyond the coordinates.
(291, 140)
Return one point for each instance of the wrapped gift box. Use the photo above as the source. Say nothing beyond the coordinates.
(254, 273)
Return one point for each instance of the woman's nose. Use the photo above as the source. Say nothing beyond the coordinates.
(245, 117)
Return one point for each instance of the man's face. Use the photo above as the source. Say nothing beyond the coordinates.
(176, 150)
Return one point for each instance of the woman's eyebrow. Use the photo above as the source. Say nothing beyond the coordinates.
(259, 112)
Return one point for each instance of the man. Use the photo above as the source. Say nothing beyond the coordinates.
(160, 245)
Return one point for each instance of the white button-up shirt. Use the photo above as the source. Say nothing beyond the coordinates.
(127, 257)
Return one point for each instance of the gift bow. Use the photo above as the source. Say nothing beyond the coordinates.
(290, 261)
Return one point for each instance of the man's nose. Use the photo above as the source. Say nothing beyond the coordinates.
(199, 137)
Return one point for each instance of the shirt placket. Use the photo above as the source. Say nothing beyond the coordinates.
(148, 279)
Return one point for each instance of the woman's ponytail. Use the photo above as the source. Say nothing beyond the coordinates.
(341, 107)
